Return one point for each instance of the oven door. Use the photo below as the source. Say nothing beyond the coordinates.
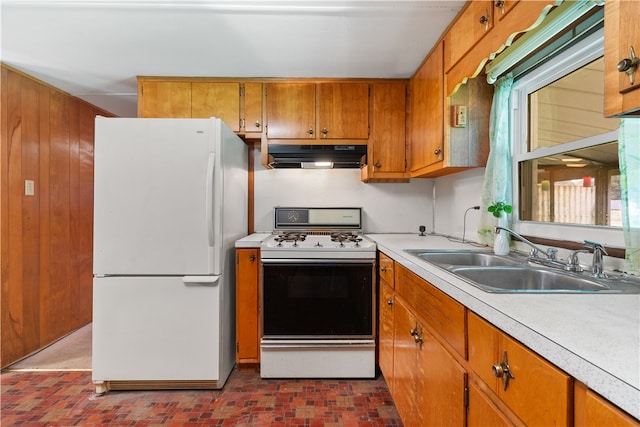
(318, 299)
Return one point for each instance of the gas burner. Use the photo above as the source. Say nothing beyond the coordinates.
(291, 237)
(345, 237)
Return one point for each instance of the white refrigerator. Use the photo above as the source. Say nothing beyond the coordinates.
(170, 200)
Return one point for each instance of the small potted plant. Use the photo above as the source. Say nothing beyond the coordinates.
(501, 240)
(498, 208)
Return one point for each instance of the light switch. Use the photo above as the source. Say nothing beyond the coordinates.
(29, 187)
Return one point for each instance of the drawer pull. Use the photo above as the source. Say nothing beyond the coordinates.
(502, 370)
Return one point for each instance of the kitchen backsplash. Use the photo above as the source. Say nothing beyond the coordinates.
(388, 208)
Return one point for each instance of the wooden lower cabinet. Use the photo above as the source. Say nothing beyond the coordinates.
(592, 410)
(482, 412)
(247, 305)
(429, 384)
(385, 332)
(537, 392)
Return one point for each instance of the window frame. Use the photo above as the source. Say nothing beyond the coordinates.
(574, 57)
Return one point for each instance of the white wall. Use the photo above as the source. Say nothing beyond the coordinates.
(388, 208)
(453, 195)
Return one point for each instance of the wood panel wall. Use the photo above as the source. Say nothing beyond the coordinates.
(46, 240)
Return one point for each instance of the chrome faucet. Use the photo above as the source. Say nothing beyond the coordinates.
(597, 269)
(550, 254)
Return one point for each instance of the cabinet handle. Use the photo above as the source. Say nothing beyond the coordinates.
(257, 124)
(414, 331)
(310, 131)
(324, 131)
(437, 151)
(252, 257)
(378, 164)
(389, 302)
(502, 370)
(630, 65)
(383, 269)
(500, 5)
(484, 20)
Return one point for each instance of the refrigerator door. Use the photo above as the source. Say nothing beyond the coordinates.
(153, 182)
(157, 328)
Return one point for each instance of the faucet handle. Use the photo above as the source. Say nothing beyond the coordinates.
(552, 253)
(573, 263)
(594, 246)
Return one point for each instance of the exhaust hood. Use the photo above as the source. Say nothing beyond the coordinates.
(316, 156)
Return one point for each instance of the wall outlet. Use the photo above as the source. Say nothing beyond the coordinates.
(458, 116)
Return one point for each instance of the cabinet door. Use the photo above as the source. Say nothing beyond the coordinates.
(440, 389)
(621, 32)
(217, 99)
(427, 110)
(387, 148)
(291, 110)
(540, 392)
(482, 412)
(164, 99)
(385, 332)
(592, 410)
(469, 28)
(252, 114)
(343, 110)
(247, 306)
(405, 372)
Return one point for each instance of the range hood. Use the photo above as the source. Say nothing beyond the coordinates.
(316, 156)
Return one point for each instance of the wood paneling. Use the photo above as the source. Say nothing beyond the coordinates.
(46, 239)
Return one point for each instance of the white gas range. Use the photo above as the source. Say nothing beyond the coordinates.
(318, 295)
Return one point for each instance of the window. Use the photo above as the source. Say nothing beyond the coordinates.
(565, 152)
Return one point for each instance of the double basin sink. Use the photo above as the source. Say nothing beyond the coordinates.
(514, 274)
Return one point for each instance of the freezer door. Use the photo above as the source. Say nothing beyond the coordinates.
(153, 179)
(157, 328)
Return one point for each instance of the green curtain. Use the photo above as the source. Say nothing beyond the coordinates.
(497, 176)
(629, 158)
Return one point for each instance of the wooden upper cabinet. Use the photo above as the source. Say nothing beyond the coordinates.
(538, 393)
(318, 111)
(217, 99)
(291, 110)
(426, 122)
(251, 121)
(621, 33)
(501, 8)
(475, 21)
(343, 111)
(387, 151)
(167, 99)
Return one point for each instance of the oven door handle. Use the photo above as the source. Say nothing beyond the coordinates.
(317, 261)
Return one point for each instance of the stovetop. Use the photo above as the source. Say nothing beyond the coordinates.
(318, 233)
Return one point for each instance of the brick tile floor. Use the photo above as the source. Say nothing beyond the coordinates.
(68, 398)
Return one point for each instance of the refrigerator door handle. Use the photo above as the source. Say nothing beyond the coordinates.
(200, 280)
(209, 198)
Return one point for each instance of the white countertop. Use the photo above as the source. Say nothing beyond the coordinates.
(594, 338)
(252, 240)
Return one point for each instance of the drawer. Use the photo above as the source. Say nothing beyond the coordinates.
(441, 313)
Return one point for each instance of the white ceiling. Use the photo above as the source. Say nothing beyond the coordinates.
(94, 49)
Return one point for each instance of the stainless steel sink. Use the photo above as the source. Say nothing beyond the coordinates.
(526, 279)
(473, 258)
(513, 274)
